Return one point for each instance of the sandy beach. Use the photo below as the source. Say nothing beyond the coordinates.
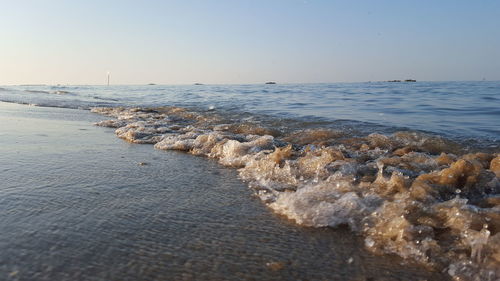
(78, 203)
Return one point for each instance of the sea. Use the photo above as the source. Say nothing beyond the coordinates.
(462, 111)
(270, 181)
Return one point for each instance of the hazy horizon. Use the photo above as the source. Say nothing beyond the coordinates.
(228, 84)
(238, 42)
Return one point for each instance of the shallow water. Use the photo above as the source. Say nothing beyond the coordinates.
(79, 204)
(422, 197)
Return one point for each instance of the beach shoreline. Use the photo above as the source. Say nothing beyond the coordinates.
(80, 203)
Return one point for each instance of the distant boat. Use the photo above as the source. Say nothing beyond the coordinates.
(151, 84)
(198, 84)
(407, 80)
(270, 83)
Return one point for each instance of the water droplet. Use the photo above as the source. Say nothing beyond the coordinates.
(369, 242)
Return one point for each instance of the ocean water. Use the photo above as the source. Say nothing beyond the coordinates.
(463, 111)
(412, 168)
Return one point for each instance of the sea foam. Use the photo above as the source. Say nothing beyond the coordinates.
(421, 197)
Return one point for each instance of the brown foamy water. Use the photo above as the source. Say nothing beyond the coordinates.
(421, 197)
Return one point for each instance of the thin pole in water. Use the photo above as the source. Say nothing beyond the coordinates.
(108, 78)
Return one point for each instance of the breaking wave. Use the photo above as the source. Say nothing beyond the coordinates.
(422, 197)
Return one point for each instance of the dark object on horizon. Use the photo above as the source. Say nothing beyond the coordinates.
(407, 80)
(151, 84)
(270, 83)
(198, 84)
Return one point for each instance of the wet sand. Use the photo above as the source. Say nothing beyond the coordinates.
(77, 203)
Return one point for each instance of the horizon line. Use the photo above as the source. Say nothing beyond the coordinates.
(251, 83)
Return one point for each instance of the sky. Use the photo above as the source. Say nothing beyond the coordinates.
(253, 41)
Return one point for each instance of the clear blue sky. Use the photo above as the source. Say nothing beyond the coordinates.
(176, 42)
